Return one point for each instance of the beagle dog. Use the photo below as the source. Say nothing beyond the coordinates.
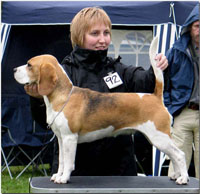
(78, 115)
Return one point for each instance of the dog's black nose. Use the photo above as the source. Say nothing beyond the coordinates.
(15, 69)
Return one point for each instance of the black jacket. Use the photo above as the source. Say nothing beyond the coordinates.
(86, 68)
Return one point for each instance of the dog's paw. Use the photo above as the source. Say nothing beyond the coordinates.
(53, 178)
(64, 179)
(174, 176)
(182, 180)
(58, 180)
(61, 179)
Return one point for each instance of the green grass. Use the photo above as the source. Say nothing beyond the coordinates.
(20, 185)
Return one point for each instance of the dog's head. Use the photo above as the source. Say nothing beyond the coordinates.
(40, 70)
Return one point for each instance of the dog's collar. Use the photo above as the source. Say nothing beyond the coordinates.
(68, 97)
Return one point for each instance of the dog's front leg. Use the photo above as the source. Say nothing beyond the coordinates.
(59, 173)
(69, 143)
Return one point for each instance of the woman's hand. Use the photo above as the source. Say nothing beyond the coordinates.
(32, 90)
(162, 61)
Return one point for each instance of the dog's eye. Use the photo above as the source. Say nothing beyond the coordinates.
(29, 65)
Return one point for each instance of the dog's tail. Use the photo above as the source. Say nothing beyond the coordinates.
(158, 91)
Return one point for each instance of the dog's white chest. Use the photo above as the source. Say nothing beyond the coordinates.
(56, 120)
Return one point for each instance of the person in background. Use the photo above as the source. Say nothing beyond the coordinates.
(181, 93)
(87, 66)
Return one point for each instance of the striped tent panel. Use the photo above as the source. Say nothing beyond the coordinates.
(5, 30)
(168, 34)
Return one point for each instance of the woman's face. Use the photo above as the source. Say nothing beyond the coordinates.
(97, 38)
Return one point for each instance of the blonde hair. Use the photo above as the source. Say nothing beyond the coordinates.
(84, 20)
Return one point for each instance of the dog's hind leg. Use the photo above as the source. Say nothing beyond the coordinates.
(164, 143)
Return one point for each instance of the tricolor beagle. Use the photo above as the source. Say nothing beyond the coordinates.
(79, 115)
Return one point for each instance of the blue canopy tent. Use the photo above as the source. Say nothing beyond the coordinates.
(30, 28)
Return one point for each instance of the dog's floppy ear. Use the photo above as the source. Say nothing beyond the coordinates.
(47, 79)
